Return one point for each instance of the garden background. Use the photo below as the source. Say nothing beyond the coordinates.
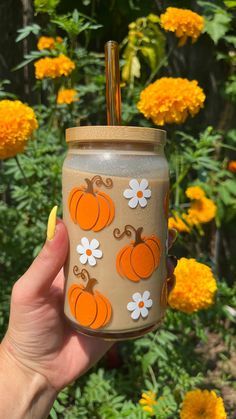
(195, 347)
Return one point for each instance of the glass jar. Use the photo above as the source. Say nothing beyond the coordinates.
(115, 207)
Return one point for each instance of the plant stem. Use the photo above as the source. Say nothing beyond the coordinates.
(22, 171)
(161, 63)
(154, 381)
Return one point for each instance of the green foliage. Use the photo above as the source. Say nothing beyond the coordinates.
(230, 88)
(146, 40)
(75, 23)
(230, 3)
(176, 358)
(3, 93)
(217, 20)
(27, 30)
(46, 6)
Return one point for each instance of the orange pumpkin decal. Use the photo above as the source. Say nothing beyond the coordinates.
(91, 209)
(140, 258)
(90, 308)
(166, 204)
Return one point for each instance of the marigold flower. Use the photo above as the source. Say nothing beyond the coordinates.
(201, 211)
(17, 123)
(53, 67)
(171, 100)
(45, 42)
(183, 22)
(178, 223)
(147, 401)
(67, 96)
(195, 192)
(232, 166)
(48, 42)
(199, 404)
(59, 39)
(195, 286)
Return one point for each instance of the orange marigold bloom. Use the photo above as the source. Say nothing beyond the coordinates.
(48, 42)
(195, 286)
(67, 96)
(53, 67)
(17, 123)
(183, 22)
(178, 223)
(45, 42)
(59, 39)
(201, 211)
(232, 166)
(199, 404)
(195, 192)
(171, 100)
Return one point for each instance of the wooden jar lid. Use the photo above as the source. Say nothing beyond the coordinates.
(96, 133)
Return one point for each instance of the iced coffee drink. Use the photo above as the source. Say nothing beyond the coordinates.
(115, 207)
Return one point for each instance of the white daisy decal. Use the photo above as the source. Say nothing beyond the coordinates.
(89, 251)
(138, 193)
(140, 305)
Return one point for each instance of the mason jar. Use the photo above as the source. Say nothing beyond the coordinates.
(115, 207)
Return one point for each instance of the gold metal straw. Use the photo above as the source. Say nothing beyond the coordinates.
(113, 96)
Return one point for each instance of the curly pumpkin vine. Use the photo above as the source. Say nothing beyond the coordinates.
(138, 259)
(90, 208)
(90, 308)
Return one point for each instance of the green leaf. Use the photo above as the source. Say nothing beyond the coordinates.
(217, 25)
(46, 6)
(150, 54)
(53, 414)
(230, 3)
(28, 58)
(27, 30)
(74, 23)
(132, 65)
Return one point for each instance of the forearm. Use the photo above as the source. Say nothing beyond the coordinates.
(24, 394)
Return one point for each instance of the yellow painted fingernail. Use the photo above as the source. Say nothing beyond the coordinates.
(52, 223)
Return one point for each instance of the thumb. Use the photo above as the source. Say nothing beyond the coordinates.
(38, 279)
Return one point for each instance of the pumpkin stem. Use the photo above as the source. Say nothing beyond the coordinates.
(89, 186)
(108, 183)
(86, 277)
(90, 284)
(138, 235)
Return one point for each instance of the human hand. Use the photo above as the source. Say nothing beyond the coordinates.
(38, 338)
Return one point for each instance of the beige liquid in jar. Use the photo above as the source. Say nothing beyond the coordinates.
(120, 291)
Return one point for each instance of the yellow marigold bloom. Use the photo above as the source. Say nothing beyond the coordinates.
(17, 123)
(45, 42)
(178, 223)
(195, 286)
(53, 67)
(147, 402)
(202, 404)
(67, 96)
(195, 192)
(232, 166)
(183, 22)
(201, 211)
(171, 100)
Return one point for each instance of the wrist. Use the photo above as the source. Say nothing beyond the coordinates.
(24, 393)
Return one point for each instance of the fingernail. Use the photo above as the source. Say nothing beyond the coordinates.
(52, 223)
(173, 259)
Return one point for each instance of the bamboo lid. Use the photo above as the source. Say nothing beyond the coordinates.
(99, 133)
